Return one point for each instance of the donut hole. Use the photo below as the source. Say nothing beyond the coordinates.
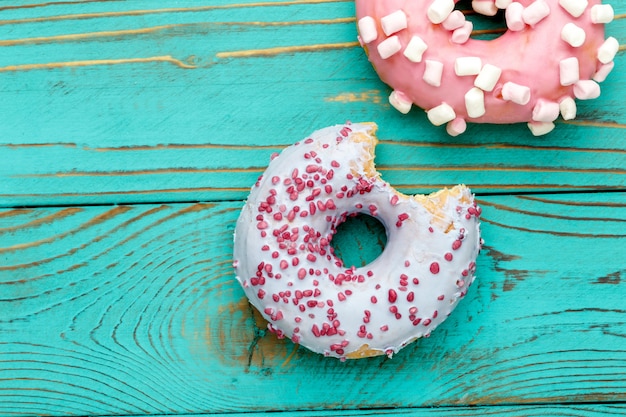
(359, 240)
(485, 27)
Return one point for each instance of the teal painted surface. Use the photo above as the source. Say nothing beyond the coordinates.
(116, 291)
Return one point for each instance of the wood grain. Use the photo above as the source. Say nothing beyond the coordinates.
(136, 102)
(135, 310)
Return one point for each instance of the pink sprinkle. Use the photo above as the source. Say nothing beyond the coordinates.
(335, 164)
(311, 168)
(403, 216)
(456, 244)
(284, 264)
(373, 299)
(384, 328)
(393, 296)
(301, 273)
(262, 225)
(410, 296)
(434, 268)
(261, 294)
(341, 296)
(394, 200)
(311, 257)
(316, 330)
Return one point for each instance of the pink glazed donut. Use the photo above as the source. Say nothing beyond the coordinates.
(284, 260)
(553, 51)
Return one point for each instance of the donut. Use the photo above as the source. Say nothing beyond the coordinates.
(286, 265)
(552, 52)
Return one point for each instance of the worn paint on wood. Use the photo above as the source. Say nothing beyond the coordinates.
(130, 133)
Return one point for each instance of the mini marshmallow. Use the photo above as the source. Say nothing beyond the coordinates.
(602, 13)
(455, 20)
(433, 72)
(456, 126)
(485, 7)
(514, 17)
(518, 94)
(441, 114)
(586, 90)
(389, 47)
(400, 102)
(462, 34)
(545, 111)
(603, 72)
(393, 22)
(607, 51)
(503, 4)
(569, 71)
(574, 35)
(467, 65)
(415, 49)
(535, 12)
(567, 107)
(367, 29)
(475, 102)
(439, 10)
(574, 7)
(488, 77)
(540, 128)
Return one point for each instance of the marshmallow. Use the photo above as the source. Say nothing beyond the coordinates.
(456, 126)
(433, 72)
(545, 111)
(475, 102)
(514, 18)
(567, 107)
(388, 47)
(535, 12)
(415, 49)
(467, 65)
(393, 22)
(439, 10)
(569, 71)
(586, 90)
(603, 72)
(602, 13)
(488, 77)
(462, 34)
(518, 94)
(441, 114)
(503, 4)
(455, 20)
(540, 128)
(574, 7)
(607, 51)
(400, 102)
(574, 35)
(367, 29)
(485, 7)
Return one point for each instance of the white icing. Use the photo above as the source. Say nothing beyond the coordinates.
(285, 264)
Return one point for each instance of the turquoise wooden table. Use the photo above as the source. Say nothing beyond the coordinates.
(130, 134)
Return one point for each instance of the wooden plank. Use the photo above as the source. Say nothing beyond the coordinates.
(135, 102)
(134, 310)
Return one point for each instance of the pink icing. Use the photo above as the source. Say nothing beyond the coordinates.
(529, 56)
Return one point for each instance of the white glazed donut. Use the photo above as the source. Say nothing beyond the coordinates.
(285, 263)
(552, 52)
